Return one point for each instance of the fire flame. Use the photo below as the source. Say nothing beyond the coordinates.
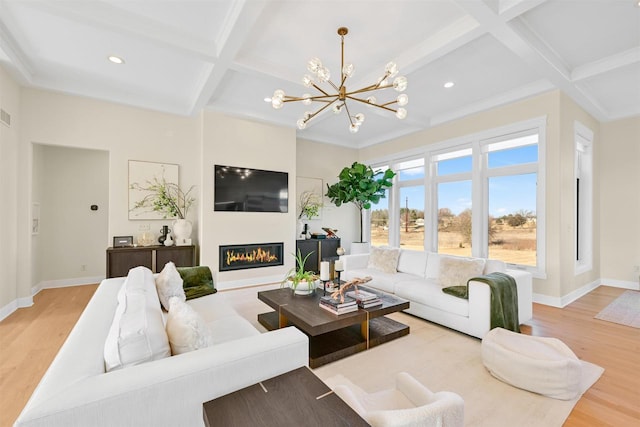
(256, 255)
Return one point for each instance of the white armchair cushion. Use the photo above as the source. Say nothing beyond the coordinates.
(384, 259)
(169, 284)
(408, 404)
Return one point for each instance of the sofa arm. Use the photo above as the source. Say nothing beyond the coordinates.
(355, 261)
(524, 281)
(171, 391)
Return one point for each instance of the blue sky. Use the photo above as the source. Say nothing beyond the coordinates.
(507, 194)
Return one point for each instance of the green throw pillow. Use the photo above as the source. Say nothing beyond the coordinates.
(198, 281)
(457, 291)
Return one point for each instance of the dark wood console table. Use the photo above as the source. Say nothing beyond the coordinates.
(297, 398)
(121, 260)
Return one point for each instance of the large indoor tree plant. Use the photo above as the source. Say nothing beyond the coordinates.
(361, 185)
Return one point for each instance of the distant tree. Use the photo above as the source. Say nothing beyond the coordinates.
(445, 217)
(516, 220)
(462, 224)
(380, 217)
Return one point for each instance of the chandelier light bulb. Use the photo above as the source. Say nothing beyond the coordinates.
(354, 128)
(278, 94)
(306, 99)
(402, 99)
(323, 74)
(307, 115)
(348, 70)
(372, 100)
(359, 118)
(314, 65)
(391, 69)
(382, 81)
(337, 108)
(400, 84)
(277, 103)
(401, 113)
(301, 124)
(307, 80)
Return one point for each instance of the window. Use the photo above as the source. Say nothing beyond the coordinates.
(480, 195)
(410, 219)
(511, 221)
(379, 218)
(583, 198)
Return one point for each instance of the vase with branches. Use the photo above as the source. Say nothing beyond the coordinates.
(166, 198)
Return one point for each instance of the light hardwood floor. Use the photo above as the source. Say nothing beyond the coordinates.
(30, 338)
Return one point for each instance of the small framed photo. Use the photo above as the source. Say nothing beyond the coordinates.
(122, 241)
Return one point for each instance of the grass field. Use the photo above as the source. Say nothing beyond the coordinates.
(513, 245)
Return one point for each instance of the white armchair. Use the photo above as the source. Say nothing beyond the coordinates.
(408, 404)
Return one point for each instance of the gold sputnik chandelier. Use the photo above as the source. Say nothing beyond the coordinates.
(338, 95)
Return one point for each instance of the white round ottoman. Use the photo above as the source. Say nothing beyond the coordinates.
(538, 364)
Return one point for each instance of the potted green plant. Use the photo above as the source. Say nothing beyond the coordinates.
(168, 199)
(309, 206)
(302, 282)
(361, 185)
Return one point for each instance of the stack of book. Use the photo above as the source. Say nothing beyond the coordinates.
(336, 306)
(365, 299)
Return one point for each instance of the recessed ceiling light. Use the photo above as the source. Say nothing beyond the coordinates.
(115, 59)
(449, 85)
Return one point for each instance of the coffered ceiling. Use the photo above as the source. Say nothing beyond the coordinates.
(182, 56)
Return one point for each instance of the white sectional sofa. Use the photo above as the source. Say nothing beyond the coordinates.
(168, 391)
(417, 277)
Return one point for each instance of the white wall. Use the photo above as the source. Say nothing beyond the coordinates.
(231, 141)
(619, 156)
(9, 142)
(325, 161)
(72, 236)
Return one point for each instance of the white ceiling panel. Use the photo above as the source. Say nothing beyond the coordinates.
(228, 55)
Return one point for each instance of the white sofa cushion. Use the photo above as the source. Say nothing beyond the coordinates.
(433, 266)
(412, 262)
(137, 333)
(186, 329)
(169, 284)
(455, 271)
(429, 293)
(384, 259)
(383, 281)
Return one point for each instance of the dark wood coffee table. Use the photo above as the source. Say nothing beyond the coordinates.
(332, 336)
(297, 398)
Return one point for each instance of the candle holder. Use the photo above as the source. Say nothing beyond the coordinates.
(324, 287)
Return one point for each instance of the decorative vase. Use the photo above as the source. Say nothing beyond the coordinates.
(182, 232)
(299, 230)
(164, 232)
(168, 241)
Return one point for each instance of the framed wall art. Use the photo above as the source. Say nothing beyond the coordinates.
(142, 175)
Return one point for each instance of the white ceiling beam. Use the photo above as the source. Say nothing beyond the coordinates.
(604, 65)
(509, 9)
(517, 37)
(238, 25)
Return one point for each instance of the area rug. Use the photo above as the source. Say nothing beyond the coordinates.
(624, 310)
(441, 359)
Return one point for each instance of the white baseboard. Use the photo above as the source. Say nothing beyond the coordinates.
(621, 284)
(64, 283)
(565, 300)
(245, 283)
(14, 305)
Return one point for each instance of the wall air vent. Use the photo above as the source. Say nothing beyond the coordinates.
(5, 117)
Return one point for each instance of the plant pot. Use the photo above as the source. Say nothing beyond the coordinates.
(303, 287)
(360, 248)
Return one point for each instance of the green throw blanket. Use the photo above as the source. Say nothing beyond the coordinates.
(504, 299)
(198, 281)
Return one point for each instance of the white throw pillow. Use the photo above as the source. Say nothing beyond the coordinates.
(169, 284)
(137, 333)
(383, 259)
(456, 271)
(186, 329)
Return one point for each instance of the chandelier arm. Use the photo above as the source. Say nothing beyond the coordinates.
(318, 87)
(383, 106)
(318, 112)
(368, 89)
(346, 107)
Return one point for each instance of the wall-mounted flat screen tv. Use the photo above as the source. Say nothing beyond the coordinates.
(250, 190)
